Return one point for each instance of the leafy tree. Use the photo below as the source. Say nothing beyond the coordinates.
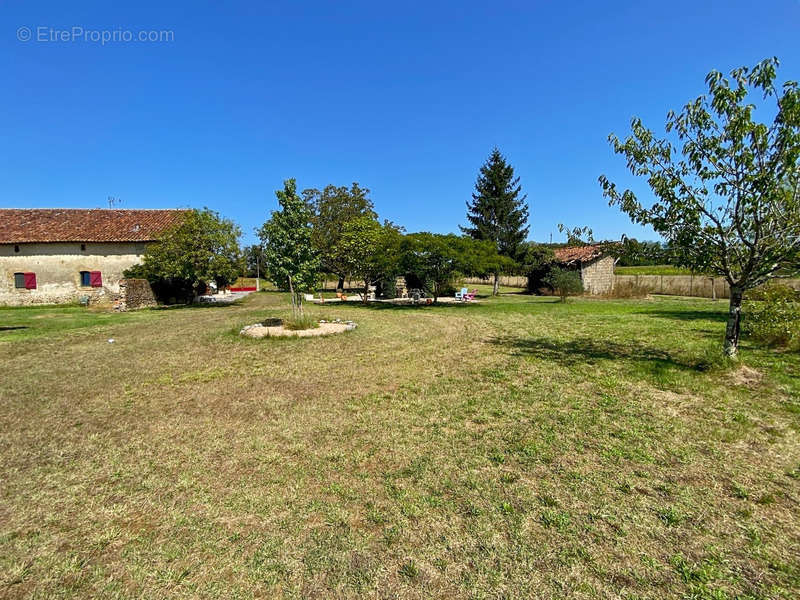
(333, 207)
(368, 250)
(536, 262)
(497, 212)
(291, 261)
(731, 204)
(201, 248)
(438, 260)
(577, 236)
(635, 253)
(254, 260)
(565, 282)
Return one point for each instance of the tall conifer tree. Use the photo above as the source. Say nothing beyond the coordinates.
(497, 211)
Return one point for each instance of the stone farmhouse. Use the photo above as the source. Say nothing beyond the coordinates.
(595, 266)
(52, 256)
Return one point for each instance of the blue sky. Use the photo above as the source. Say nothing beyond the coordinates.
(407, 98)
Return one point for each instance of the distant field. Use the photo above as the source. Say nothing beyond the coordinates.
(652, 270)
(519, 447)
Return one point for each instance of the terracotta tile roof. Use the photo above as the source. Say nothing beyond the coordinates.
(578, 253)
(78, 225)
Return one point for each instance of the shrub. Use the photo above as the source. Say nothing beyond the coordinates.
(771, 315)
(773, 292)
(386, 288)
(564, 282)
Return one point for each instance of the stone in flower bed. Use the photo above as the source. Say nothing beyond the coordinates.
(275, 328)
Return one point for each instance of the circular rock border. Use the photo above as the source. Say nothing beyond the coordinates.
(258, 330)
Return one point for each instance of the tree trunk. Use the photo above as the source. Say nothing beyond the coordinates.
(291, 295)
(734, 318)
(340, 285)
(496, 284)
(366, 291)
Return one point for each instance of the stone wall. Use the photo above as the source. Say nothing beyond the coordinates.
(519, 281)
(58, 266)
(598, 275)
(133, 294)
(689, 285)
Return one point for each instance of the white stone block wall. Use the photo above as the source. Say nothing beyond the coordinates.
(598, 275)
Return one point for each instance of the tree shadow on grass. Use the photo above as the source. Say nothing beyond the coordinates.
(687, 315)
(393, 306)
(586, 350)
(198, 305)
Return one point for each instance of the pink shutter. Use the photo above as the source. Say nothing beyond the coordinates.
(30, 281)
(95, 279)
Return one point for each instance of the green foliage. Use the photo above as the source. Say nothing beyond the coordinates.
(203, 247)
(536, 256)
(497, 212)
(731, 204)
(437, 260)
(565, 282)
(333, 207)
(771, 315)
(634, 253)
(536, 262)
(577, 236)
(255, 261)
(368, 250)
(291, 260)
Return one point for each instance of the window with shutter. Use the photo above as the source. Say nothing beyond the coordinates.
(19, 281)
(85, 279)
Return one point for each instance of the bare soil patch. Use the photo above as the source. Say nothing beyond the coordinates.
(745, 375)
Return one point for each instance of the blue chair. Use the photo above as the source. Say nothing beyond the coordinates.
(462, 294)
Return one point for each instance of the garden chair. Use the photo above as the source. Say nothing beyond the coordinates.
(470, 295)
(461, 295)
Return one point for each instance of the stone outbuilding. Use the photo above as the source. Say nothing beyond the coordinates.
(50, 256)
(595, 265)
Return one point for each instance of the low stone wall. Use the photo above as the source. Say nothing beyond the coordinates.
(507, 280)
(133, 294)
(700, 286)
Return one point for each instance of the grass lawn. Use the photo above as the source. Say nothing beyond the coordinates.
(519, 447)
